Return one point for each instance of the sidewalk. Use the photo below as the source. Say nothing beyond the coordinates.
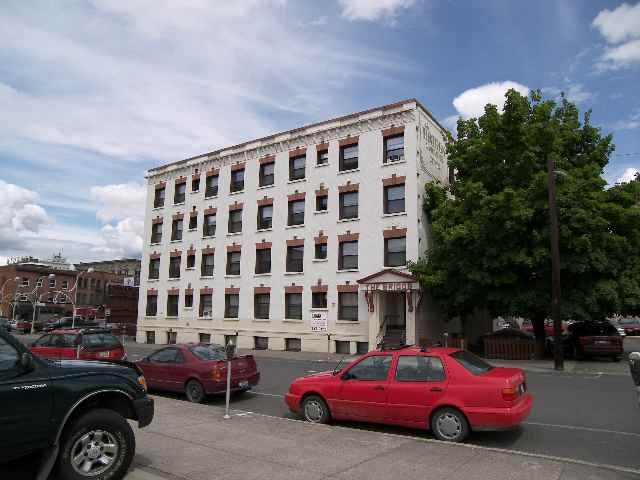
(193, 442)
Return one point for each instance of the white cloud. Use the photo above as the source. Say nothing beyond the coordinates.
(628, 175)
(620, 24)
(373, 10)
(619, 27)
(20, 214)
(574, 92)
(471, 103)
(630, 123)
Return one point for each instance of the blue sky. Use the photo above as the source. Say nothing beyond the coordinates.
(96, 93)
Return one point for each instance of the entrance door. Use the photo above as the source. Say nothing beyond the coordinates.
(394, 318)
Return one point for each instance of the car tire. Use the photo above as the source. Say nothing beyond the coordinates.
(449, 425)
(315, 410)
(98, 434)
(194, 391)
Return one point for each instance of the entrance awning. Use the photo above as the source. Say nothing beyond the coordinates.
(389, 280)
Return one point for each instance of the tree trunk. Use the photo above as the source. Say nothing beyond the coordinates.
(538, 331)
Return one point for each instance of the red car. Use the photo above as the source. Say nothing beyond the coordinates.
(198, 370)
(631, 326)
(84, 344)
(447, 390)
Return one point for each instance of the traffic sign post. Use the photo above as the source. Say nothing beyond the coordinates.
(230, 350)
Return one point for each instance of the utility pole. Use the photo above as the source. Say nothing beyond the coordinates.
(558, 360)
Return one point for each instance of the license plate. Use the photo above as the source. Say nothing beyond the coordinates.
(243, 384)
(103, 354)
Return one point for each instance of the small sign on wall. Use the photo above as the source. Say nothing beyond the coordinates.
(319, 321)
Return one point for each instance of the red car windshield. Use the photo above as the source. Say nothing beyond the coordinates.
(471, 363)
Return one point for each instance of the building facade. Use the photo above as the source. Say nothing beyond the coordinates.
(126, 269)
(295, 241)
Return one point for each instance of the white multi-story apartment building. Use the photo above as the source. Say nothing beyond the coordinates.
(298, 240)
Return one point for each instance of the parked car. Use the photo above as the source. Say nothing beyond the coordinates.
(73, 412)
(549, 329)
(85, 344)
(68, 322)
(447, 390)
(198, 370)
(592, 338)
(4, 324)
(630, 325)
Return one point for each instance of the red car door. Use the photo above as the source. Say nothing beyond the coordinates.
(362, 394)
(419, 381)
(157, 368)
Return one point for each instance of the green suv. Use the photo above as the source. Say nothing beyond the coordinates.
(73, 412)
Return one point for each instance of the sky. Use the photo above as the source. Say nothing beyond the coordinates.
(94, 93)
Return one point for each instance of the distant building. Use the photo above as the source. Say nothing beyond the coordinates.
(127, 269)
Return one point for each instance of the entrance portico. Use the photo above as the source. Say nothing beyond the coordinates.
(392, 297)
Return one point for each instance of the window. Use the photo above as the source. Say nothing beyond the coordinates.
(191, 260)
(413, 368)
(195, 184)
(172, 305)
(176, 230)
(237, 180)
(375, 367)
(473, 364)
(231, 303)
(207, 353)
(174, 267)
(172, 338)
(343, 347)
(322, 158)
(296, 212)
(348, 205)
(233, 263)
(394, 148)
(293, 305)
(235, 221)
(261, 305)
(179, 194)
(8, 356)
(154, 268)
(52, 283)
(207, 264)
(209, 225)
(166, 355)
(25, 282)
(292, 344)
(152, 305)
(321, 251)
(266, 176)
(156, 233)
(362, 347)
(206, 305)
(65, 284)
(295, 258)
(188, 300)
(151, 337)
(348, 255)
(158, 199)
(263, 260)
(265, 217)
(348, 306)
(211, 187)
(394, 199)
(348, 157)
(261, 343)
(193, 222)
(296, 167)
(319, 300)
(322, 203)
(395, 252)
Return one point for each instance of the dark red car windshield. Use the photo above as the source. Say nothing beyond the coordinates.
(205, 352)
(471, 363)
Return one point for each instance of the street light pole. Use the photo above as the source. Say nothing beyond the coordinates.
(554, 237)
(75, 295)
(37, 300)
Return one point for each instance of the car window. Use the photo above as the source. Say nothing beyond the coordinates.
(92, 340)
(205, 352)
(179, 357)
(374, 367)
(109, 340)
(43, 341)
(8, 355)
(166, 355)
(412, 368)
(470, 362)
(62, 340)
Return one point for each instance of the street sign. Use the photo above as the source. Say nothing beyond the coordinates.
(319, 321)
(129, 281)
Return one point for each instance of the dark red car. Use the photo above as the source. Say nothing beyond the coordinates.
(631, 326)
(198, 370)
(79, 343)
(447, 390)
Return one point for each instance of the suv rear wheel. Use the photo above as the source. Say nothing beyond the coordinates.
(98, 445)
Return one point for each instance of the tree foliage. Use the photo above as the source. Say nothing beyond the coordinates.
(490, 227)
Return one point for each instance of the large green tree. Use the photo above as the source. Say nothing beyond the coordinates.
(490, 227)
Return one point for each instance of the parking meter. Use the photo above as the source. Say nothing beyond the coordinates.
(634, 365)
(230, 350)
